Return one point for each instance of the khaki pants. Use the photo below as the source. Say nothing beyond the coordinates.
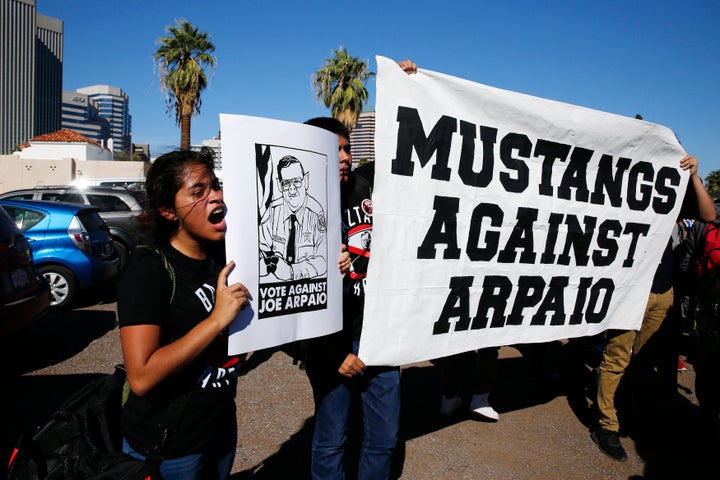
(620, 347)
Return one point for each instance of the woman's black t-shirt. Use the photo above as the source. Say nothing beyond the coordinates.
(209, 383)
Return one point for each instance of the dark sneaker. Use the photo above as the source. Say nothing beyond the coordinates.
(609, 443)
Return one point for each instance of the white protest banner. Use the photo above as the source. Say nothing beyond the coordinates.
(502, 218)
(281, 184)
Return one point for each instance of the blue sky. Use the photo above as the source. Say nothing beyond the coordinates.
(660, 58)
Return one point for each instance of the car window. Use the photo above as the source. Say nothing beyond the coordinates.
(24, 219)
(108, 203)
(52, 196)
(92, 221)
(139, 195)
(20, 196)
(72, 198)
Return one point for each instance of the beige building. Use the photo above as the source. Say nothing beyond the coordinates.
(64, 142)
(61, 157)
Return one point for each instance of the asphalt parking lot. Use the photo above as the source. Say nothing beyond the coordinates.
(543, 432)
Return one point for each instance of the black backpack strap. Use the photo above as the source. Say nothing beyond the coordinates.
(155, 457)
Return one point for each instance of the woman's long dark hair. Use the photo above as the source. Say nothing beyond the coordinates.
(164, 179)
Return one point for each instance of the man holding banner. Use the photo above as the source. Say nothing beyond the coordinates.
(335, 371)
(523, 220)
(337, 375)
(622, 346)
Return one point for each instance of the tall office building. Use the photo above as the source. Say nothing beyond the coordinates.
(362, 138)
(114, 105)
(48, 74)
(81, 114)
(31, 54)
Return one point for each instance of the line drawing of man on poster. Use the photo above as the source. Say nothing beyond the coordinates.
(292, 231)
(293, 228)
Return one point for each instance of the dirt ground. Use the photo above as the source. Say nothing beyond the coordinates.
(543, 432)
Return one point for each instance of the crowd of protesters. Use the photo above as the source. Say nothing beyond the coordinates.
(175, 342)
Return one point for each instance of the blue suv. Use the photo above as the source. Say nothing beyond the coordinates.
(71, 245)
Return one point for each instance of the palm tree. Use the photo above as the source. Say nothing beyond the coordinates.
(340, 84)
(181, 59)
(712, 181)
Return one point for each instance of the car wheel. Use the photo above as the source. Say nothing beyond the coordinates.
(63, 286)
(122, 253)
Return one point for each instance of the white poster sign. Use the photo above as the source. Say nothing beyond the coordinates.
(281, 184)
(501, 218)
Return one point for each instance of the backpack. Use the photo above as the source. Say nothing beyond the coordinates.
(707, 264)
(82, 439)
(707, 309)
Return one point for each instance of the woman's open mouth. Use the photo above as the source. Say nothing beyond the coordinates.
(217, 216)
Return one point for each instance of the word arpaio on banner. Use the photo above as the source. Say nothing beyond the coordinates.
(590, 304)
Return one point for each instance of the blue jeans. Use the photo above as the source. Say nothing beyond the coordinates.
(215, 463)
(379, 391)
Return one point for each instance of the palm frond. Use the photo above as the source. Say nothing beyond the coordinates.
(340, 85)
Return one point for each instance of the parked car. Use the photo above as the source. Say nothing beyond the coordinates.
(123, 210)
(71, 245)
(24, 293)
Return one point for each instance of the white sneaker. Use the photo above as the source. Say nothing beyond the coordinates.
(448, 406)
(480, 406)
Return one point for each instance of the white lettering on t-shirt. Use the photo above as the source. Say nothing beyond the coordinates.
(207, 300)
